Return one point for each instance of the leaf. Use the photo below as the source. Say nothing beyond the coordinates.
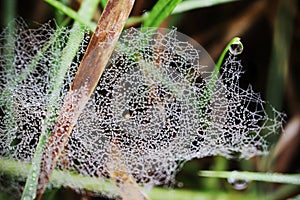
(211, 85)
(161, 10)
(69, 52)
(73, 14)
(196, 4)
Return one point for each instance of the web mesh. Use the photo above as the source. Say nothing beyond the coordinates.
(148, 114)
(148, 105)
(30, 92)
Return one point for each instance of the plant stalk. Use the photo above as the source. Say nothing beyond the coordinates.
(98, 52)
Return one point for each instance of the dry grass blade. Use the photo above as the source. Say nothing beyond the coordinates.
(89, 72)
(127, 187)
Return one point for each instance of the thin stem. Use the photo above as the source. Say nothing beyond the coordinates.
(178, 8)
(104, 186)
(71, 13)
(75, 39)
(135, 20)
(161, 10)
(211, 84)
(254, 176)
(103, 3)
(89, 24)
(59, 178)
(196, 4)
(9, 12)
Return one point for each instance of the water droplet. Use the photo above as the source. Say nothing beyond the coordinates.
(27, 198)
(34, 175)
(236, 47)
(180, 184)
(238, 184)
(126, 114)
(31, 188)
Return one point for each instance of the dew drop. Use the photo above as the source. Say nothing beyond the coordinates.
(126, 114)
(238, 184)
(180, 184)
(27, 198)
(31, 188)
(34, 176)
(236, 47)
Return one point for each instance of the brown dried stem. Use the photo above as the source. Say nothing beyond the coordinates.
(100, 48)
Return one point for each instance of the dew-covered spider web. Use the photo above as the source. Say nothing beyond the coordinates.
(148, 106)
(148, 114)
(33, 86)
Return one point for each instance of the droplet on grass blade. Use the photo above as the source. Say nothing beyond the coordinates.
(238, 184)
(236, 47)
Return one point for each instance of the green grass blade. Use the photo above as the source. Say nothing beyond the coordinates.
(9, 12)
(135, 20)
(59, 178)
(220, 162)
(195, 4)
(157, 16)
(65, 178)
(71, 13)
(211, 84)
(89, 24)
(236, 41)
(86, 12)
(103, 3)
(161, 10)
(254, 176)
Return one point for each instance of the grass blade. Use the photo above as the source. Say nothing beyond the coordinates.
(254, 176)
(195, 4)
(59, 178)
(64, 178)
(161, 10)
(211, 84)
(103, 3)
(88, 74)
(9, 12)
(69, 53)
(71, 13)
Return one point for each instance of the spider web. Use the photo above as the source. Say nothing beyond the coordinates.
(148, 105)
(147, 115)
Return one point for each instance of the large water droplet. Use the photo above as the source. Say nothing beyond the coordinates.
(236, 47)
(238, 184)
(126, 114)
